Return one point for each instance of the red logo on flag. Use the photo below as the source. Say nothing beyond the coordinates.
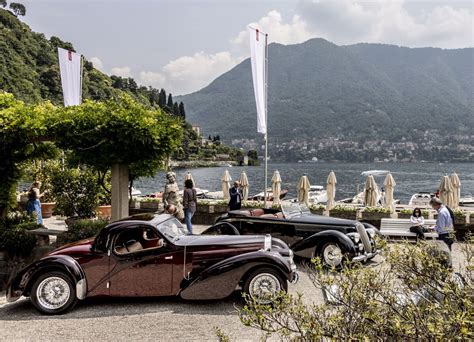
(256, 31)
(69, 55)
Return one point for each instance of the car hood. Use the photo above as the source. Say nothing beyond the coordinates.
(311, 218)
(220, 240)
(75, 248)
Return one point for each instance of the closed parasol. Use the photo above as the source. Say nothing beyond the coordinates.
(303, 189)
(244, 183)
(276, 187)
(226, 179)
(331, 190)
(389, 185)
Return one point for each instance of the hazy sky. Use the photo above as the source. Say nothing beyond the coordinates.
(183, 45)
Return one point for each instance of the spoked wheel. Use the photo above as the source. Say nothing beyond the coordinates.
(263, 284)
(332, 254)
(53, 293)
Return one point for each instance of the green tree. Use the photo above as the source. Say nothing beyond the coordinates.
(176, 109)
(413, 295)
(3, 3)
(162, 99)
(182, 112)
(17, 8)
(170, 102)
(22, 132)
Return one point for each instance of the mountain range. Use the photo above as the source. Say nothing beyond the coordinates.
(320, 89)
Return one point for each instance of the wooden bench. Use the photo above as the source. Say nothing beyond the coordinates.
(401, 228)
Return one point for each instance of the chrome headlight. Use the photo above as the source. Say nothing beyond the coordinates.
(354, 236)
(371, 232)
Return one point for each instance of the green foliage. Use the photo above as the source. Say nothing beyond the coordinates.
(13, 233)
(343, 209)
(122, 131)
(380, 210)
(412, 296)
(18, 9)
(21, 130)
(3, 3)
(83, 229)
(75, 191)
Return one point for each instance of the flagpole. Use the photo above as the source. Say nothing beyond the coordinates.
(266, 119)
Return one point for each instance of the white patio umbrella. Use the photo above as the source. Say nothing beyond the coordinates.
(244, 183)
(389, 184)
(331, 190)
(276, 187)
(370, 193)
(226, 179)
(187, 176)
(446, 191)
(456, 183)
(303, 189)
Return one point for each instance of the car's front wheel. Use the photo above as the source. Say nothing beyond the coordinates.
(53, 293)
(331, 254)
(263, 284)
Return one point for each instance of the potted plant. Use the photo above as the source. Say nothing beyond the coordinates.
(406, 213)
(104, 210)
(150, 203)
(375, 213)
(317, 209)
(459, 217)
(342, 211)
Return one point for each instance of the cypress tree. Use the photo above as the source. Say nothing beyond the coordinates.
(176, 109)
(170, 102)
(182, 112)
(162, 98)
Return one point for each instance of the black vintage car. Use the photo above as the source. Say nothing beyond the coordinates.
(152, 255)
(308, 235)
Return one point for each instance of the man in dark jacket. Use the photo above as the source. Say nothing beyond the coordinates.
(235, 193)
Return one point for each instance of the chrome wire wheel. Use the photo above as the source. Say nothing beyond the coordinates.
(263, 287)
(332, 254)
(53, 293)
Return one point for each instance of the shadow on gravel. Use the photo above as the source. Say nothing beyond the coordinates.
(109, 307)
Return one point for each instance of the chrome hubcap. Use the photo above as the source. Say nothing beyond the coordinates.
(332, 255)
(53, 292)
(263, 286)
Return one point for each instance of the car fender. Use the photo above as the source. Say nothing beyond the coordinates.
(22, 282)
(307, 246)
(221, 280)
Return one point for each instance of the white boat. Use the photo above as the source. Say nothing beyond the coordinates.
(375, 173)
(420, 199)
(136, 192)
(467, 202)
(201, 193)
(317, 194)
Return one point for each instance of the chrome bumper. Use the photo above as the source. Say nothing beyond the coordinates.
(365, 256)
(295, 278)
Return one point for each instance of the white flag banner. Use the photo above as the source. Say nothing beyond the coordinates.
(70, 67)
(258, 44)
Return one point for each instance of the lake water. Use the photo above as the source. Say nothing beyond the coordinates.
(410, 177)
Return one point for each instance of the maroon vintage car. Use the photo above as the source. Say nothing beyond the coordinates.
(151, 255)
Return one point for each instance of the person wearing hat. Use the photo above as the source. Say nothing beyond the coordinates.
(444, 223)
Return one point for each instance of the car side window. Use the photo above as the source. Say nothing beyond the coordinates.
(136, 239)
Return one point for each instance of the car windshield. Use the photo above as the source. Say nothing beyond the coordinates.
(292, 209)
(172, 229)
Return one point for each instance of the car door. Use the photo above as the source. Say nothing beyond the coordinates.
(144, 270)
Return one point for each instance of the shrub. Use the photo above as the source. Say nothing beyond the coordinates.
(343, 209)
(150, 199)
(412, 296)
(83, 229)
(16, 241)
(76, 192)
(380, 210)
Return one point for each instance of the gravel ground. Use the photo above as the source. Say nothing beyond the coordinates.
(140, 319)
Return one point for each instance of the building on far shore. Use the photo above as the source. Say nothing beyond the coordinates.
(197, 129)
